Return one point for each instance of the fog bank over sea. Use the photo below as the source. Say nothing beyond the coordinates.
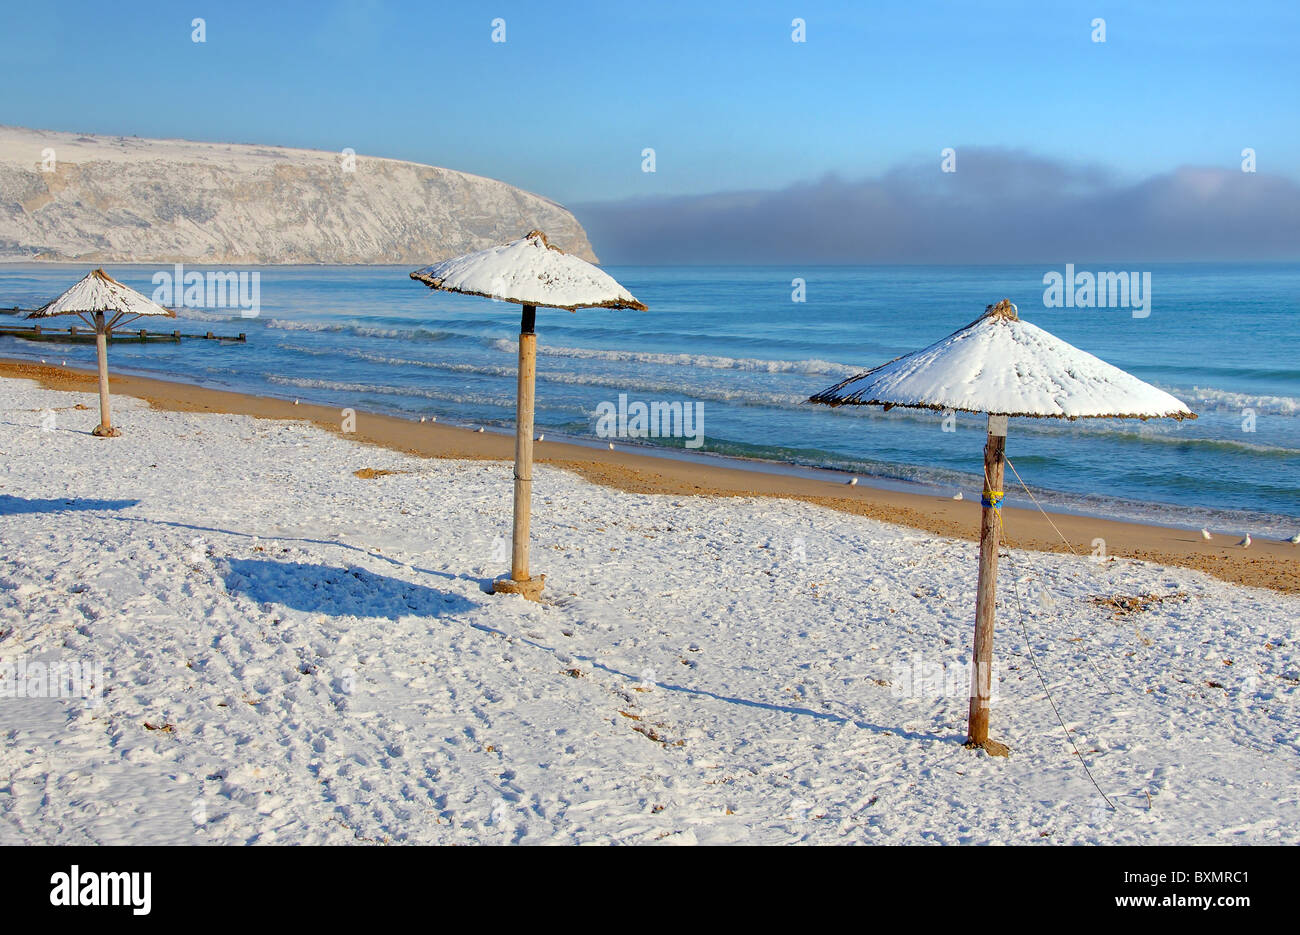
(996, 206)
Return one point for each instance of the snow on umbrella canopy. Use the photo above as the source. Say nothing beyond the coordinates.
(529, 271)
(99, 292)
(92, 299)
(1002, 365)
(1005, 367)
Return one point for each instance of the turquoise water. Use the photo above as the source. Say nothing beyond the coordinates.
(1222, 337)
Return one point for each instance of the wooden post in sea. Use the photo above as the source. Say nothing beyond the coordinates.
(105, 428)
(977, 731)
(524, 446)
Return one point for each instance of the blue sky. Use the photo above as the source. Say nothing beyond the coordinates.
(728, 101)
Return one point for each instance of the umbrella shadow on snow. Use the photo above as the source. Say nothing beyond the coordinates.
(484, 584)
(338, 591)
(13, 506)
(335, 590)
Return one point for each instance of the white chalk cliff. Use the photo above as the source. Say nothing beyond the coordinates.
(65, 196)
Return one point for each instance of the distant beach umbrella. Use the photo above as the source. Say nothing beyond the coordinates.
(99, 295)
(1002, 366)
(532, 273)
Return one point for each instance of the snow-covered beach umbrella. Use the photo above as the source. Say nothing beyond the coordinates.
(93, 299)
(1004, 367)
(532, 273)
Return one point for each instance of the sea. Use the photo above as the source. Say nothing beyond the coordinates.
(749, 345)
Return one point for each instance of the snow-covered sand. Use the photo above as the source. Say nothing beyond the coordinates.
(321, 663)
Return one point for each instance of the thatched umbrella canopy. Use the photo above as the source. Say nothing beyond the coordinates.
(94, 298)
(1004, 367)
(530, 272)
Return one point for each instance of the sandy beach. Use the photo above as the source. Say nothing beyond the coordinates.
(1267, 563)
(288, 645)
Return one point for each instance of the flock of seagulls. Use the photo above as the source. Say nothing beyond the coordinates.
(1246, 541)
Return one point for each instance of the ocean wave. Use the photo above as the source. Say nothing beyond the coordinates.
(614, 384)
(1155, 433)
(1121, 431)
(335, 386)
(387, 361)
(1227, 400)
(698, 361)
(363, 331)
(196, 314)
(665, 390)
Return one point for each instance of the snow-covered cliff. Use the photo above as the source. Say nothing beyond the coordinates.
(123, 199)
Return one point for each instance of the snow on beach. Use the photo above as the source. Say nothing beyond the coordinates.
(292, 653)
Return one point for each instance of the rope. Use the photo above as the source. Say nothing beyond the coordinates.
(1146, 650)
(1025, 487)
(1029, 650)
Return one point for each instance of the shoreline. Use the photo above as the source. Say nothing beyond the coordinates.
(1268, 564)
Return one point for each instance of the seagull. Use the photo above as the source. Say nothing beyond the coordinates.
(1295, 540)
(295, 402)
(42, 360)
(541, 438)
(1205, 534)
(433, 418)
(853, 482)
(480, 428)
(1245, 543)
(65, 363)
(611, 446)
(957, 495)
(421, 418)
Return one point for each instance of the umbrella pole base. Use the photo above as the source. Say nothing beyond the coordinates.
(102, 432)
(530, 589)
(991, 747)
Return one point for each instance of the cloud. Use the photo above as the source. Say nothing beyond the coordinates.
(1000, 206)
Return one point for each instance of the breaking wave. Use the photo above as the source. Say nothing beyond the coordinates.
(363, 331)
(698, 361)
(335, 386)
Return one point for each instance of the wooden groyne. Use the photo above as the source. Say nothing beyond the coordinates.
(143, 335)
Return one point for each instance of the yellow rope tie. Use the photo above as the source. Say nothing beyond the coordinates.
(991, 498)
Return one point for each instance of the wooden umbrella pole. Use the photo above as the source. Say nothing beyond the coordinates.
(977, 733)
(524, 446)
(105, 428)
